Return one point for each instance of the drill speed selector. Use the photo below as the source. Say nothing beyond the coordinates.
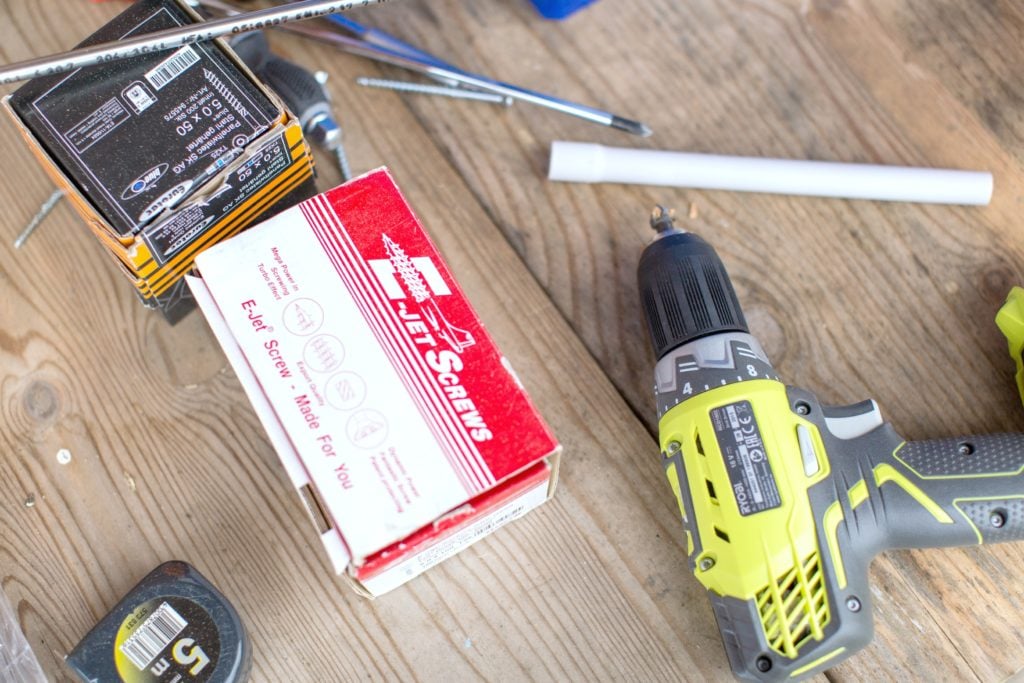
(706, 363)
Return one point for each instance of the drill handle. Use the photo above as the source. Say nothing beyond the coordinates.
(957, 491)
(883, 492)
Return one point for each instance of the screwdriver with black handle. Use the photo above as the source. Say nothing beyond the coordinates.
(785, 500)
(303, 93)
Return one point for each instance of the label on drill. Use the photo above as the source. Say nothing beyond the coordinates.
(167, 639)
(739, 439)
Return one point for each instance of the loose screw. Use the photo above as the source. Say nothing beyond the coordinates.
(339, 154)
(329, 136)
(38, 219)
(443, 91)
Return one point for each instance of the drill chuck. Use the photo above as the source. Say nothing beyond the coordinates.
(685, 290)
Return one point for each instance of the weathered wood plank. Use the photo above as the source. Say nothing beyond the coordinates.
(852, 299)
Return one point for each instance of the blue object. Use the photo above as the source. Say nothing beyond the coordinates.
(559, 9)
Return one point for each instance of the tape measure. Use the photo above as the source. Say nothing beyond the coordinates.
(173, 627)
(1010, 320)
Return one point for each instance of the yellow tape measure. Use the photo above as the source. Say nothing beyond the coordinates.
(1011, 321)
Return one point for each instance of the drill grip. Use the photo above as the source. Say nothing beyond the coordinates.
(956, 491)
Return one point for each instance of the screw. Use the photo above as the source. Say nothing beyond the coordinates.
(425, 89)
(997, 519)
(965, 449)
(38, 219)
(853, 604)
(673, 447)
(339, 154)
(706, 564)
(802, 408)
(763, 664)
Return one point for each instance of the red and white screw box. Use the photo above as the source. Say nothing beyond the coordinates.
(391, 408)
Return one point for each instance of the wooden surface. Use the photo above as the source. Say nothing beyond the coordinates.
(851, 299)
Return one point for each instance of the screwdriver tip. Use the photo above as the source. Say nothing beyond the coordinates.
(634, 127)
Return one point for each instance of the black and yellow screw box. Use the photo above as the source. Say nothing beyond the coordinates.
(166, 153)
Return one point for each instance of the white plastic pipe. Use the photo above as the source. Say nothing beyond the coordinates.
(589, 163)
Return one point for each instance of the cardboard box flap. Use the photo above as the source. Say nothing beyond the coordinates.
(333, 543)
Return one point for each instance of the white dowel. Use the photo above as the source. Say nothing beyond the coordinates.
(589, 163)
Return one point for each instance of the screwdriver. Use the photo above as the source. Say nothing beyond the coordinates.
(303, 92)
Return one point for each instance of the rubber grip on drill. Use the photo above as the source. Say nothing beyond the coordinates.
(968, 490)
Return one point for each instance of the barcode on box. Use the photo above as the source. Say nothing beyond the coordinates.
(153, 636)
(172, 67)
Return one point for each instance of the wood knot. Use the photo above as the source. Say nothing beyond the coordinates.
(41, 401)
(996, 282)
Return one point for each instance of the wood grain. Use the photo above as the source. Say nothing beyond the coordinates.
(852, 299)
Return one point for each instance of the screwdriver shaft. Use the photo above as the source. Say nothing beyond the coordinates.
(430, 89)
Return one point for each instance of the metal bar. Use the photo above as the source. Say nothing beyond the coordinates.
(174, 37)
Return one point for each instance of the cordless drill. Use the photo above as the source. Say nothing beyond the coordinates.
(785, 501)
